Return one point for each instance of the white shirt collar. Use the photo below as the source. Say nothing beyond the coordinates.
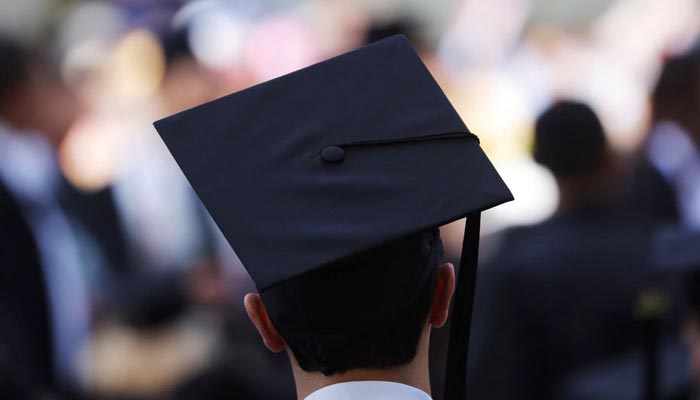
(369, 390)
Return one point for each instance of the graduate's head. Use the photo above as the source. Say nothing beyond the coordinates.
(367, 311)
(326, 182)
(676, 95)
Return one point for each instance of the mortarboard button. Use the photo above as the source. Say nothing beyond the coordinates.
(333, 154)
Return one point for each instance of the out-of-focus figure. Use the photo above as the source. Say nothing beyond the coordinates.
(675, 254)
(559, 295)
(171, 328)
(166, 225)
(44, 262)
(666, 184)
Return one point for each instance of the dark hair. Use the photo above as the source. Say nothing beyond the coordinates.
(677, 90)
(367, 311)
(176, 46)
(569, 139)
(384, 29)
(14, 68)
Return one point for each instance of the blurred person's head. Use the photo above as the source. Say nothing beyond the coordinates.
(571, 144)
(57, 107)
(383, 29)
(186, 82)
(16, 85)
(374, 319)
(33, 95)
(676, 96)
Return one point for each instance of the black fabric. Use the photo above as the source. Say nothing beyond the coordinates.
(676, 258)
(254, 158)
(217, 382)
(620, 377)
(149, 300)
(97, 212)
(553, 298)
(676, 250)
(25, 330)
(649, 196)
(692, 291)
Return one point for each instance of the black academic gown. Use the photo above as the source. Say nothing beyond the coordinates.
(554, 297)
(25, 330)
(650, 196)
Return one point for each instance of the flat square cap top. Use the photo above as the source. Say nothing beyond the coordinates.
(332, 160)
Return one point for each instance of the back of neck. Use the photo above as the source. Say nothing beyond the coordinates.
(415, 373)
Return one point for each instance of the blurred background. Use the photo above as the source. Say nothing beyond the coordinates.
(116, 284)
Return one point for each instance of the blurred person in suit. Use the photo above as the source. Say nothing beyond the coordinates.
(665, 185)
(560, 294)
(165, 224)
(175, 299)
(44, 299)
(676, 254)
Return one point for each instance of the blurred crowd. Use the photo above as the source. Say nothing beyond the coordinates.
(116, 284)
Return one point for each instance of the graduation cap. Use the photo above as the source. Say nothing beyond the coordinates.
(335, 159)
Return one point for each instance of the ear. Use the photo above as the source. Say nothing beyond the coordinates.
(261, 320)
(444, 289)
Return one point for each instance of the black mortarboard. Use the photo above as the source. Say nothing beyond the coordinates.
(335, 159)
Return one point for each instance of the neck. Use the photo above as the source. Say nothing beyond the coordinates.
(597, 187)
(574, 194)
(415, 373)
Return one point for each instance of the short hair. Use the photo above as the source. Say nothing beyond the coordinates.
(367, 311)
(569, 139)
(14, 68)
